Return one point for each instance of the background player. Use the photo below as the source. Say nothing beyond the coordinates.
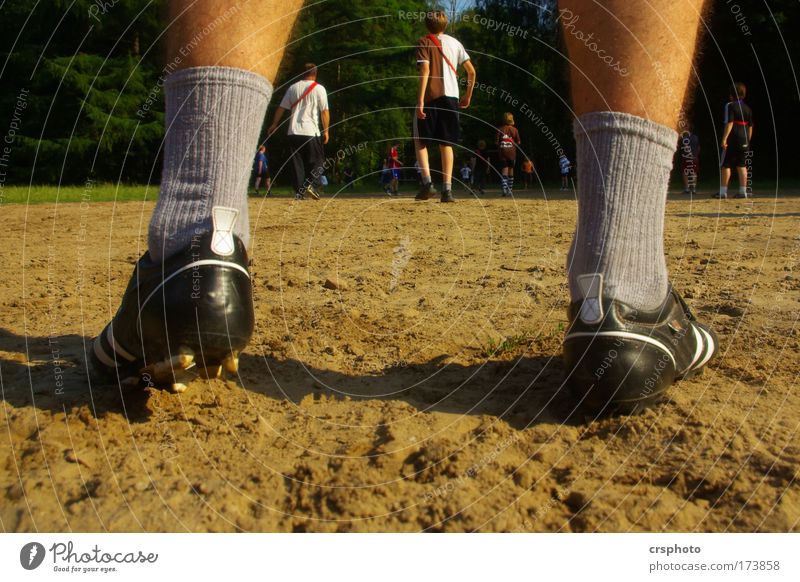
(436, 120)
(735, 143)
(507, 139)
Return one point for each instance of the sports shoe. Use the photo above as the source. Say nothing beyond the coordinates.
(426, 192)
(740, 195)
(188, 316)
(620, 360)
(719, 196)
(447, 196)
(312, 193)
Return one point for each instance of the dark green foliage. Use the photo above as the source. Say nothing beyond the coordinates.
(88, 72)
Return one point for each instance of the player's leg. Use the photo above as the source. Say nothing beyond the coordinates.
(510, 179)
(423, 132)
(628, 87)
(446, 153)
(189, 300)
(742, 172)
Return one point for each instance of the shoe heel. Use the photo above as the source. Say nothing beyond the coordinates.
(207, 310)
(617, 375)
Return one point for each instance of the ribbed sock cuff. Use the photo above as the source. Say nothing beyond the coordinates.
(213, 121)
(624, 162)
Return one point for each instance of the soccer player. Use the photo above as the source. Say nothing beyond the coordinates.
(307, 103)
(630, 333)
(507, 139)
(261, 167)
(564, 166)
(466, 175)
(736, 141)
(527, 173)
(436, 118)
(394, 163)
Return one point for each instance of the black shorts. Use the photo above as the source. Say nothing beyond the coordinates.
(507, 162)
(440, 124)
(735, 156)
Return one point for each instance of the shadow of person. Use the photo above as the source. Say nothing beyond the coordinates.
(526, 391)
(53, 374)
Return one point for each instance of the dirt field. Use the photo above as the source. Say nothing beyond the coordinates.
(422, 394)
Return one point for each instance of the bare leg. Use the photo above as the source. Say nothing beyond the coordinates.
(724, 177)
(742, 171)
(447, 163)
(422, 158)
(237, 39)
(650, 46)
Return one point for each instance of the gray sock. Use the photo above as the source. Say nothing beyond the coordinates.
(624, 163)
(213, 121)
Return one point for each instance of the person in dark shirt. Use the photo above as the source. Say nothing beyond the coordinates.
(736, 139)
(689, 150)
(261, 168)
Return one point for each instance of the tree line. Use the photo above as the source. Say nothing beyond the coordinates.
(82, 82)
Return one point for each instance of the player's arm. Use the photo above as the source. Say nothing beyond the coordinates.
(466, 99)
(325, 115)
(276, 120)
(424, 76)
(725, 133)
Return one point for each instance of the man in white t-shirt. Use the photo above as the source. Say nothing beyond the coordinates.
(307, 102)
(436, 116)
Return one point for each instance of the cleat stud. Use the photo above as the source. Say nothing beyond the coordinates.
(210, 372)
(231, 364)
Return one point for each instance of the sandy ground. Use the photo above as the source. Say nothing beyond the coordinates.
(391, 403)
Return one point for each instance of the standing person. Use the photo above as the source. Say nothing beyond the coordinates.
(689, 149)
(564, 166)
(394, 166)
(261, 168)
(507, 139)
(481, 166)
(307, 102)
(630, 335)
(527, 173)
(189, 301)
(436, 117)
(736, 141)
(466, 175)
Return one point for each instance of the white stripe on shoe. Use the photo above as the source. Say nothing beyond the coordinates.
(625, 335)
(116, 347)
(711, 347)
(101, 353)
(202, 263)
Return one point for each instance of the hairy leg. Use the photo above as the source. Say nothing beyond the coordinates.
(642, 64)
(223, 34)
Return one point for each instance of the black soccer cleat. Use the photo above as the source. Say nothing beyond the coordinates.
(190, 315)
(446, 197)
(426, 192)
(619, 360)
